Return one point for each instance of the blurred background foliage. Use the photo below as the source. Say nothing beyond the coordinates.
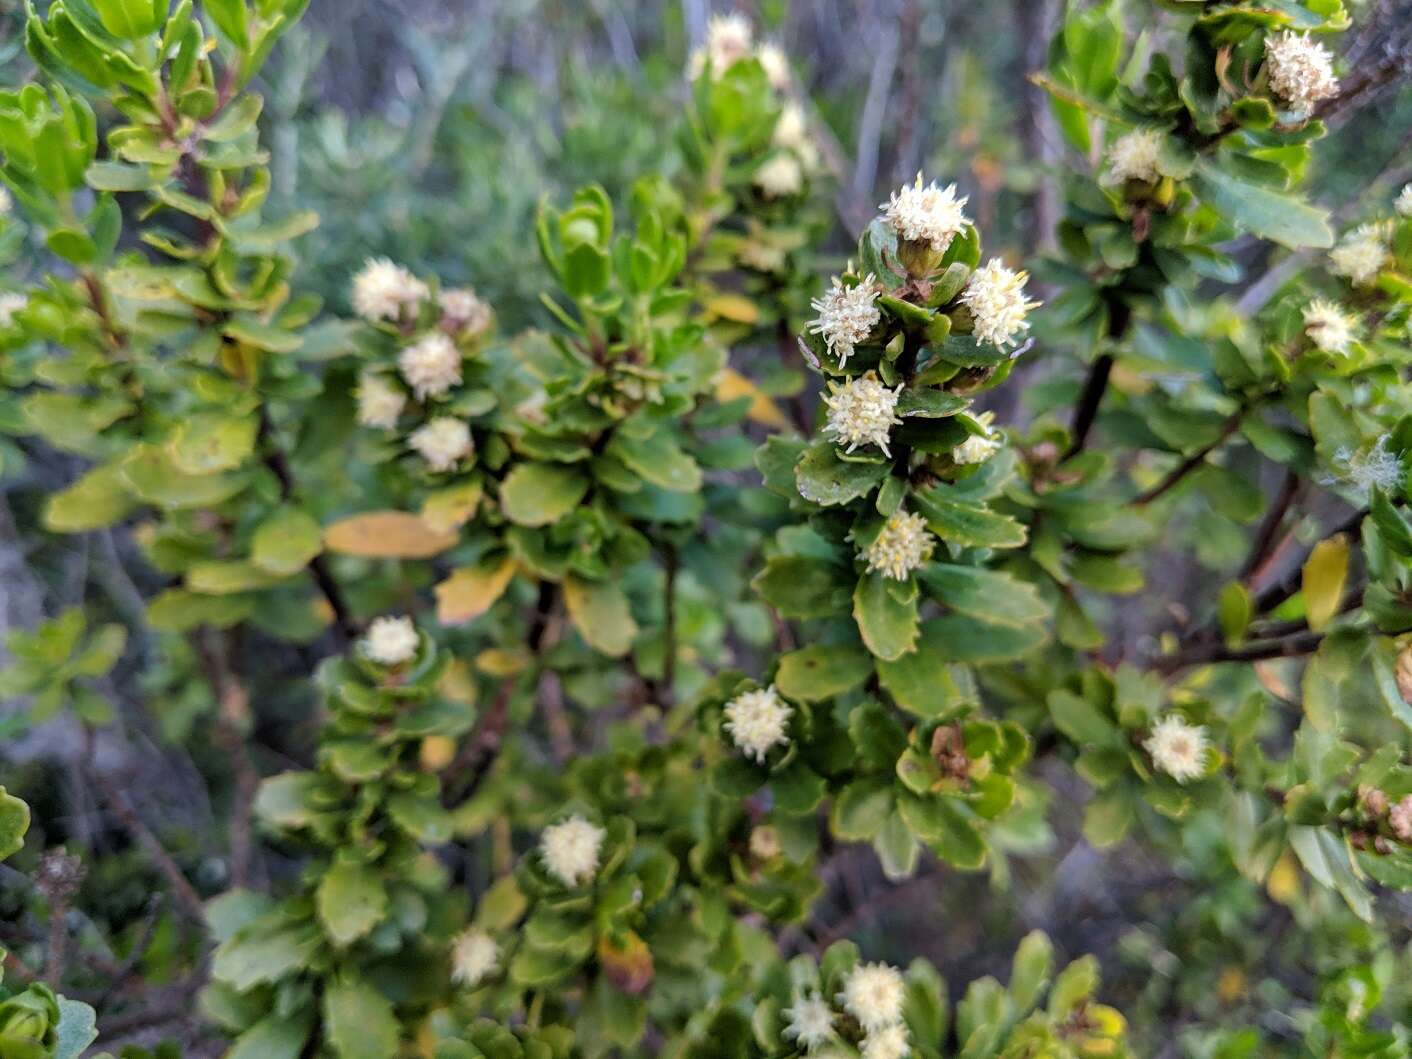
(429, 131)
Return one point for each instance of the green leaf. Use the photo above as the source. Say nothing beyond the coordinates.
(359, 1021)
(993, 597)
(1082, 721)
(921, 683)
(1268, 214)
(1234, 611)
(286, 541)
(14, 822)
(77, 1029)
(824, 479)
(98, 499)
(600, 612)
(1034, 961)
(803, 587)
(958, 638)
(888, 627)
(658, 460)
(351, 901)
(861, 808)
(820, 671)
(538, 494)
(1324, 575)
(274, 1037)
(968, 524)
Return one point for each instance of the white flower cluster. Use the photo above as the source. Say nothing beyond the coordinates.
(384, 291)
(862, 412)
(758, 721)
(873, 994)
(1403, 203)
(792, 133)
(847, 315)
(1328, 326)
(809, 1022)
(1301, 71)
(729, 40)
(977, 448)
(10, 305)
(390, 641)
(1177, 748)
(1363, 471)
(931, 214)
(1136, 155)
(996, 297)
(463, 311)
(780, 176)
(431, 365)
(475, 956)
(570, 850)
(1362, 254)
(904, 545)
(380, 403)
(443, 442)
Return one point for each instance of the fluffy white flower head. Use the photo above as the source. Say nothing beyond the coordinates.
(775, 63)
(1361, 255)
(390, 641)
(379, 402)
(1136, 155)
(570, 850)
(1301, 71)
(862, 412)
(1363, 471)
(764, 842)
(1328, 326)
(463, 309)
(903, 546)
(889, 1042)
(809, 1022)
(758, 721)
(10, 305)
(1403, 204)
(729, 39)
(431, 365)
(474, 957)
(781, 176)
(1177, 748)
(930, 214)
(873, 994)
(978, 449)
(443, 443)
(383, 290)
(792, 133)
(6, 202)
(846, 316)
(996, 297)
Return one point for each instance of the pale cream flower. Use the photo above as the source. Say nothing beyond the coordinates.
(1177, 748)
(729, 39)
(903, 545)
(431, 365)
(464, 311)
(1400, 819)
(384, 291)
(1136, 155)
(1363, 471)
(761, 256)
(1328, 326)
(977, 448)
(390, 641)
(775, 63)
(11, 305)
(996, 297)
(862, 412)
(847, 315)
(792, 133)
(873, 994)
(765, 842)
(809, 1022)
(1301, 71)
(1403, 204)
(443, 442)
(889, 1042)
(379, 401)
(475, 956)
(758, 721)
(570, 850)
(1362, 254)
(930, 214)
(780, 177)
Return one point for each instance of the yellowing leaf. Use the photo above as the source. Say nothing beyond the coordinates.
(471, 591)
(447, 510)
(386, 535)
(600, 612)
(734, 307)
(731, 386)
(1283, 883)
(1324, 576)
(501, 662)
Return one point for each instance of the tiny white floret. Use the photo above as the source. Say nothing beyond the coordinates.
(443, 443)
(873, 994)
(847, 315)
(978, 448)
(431, 365)
(809, 1022)
(1301, 71)
(1177, 748)
(379, 402)
(780, 177)
(996, 297)
(1403, 203)
(1328, 326)
(570, 850)
(390, 641)
(775, 63)
(464, 311)
(926, 214)
(862, 411)
(758, 721)
(1362, 254)
(475, 956)
(383, 290)
(11, 304)
(904, 545)
(889, 1042)
(1136, 155)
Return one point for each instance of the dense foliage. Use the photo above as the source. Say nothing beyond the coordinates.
(551, 675)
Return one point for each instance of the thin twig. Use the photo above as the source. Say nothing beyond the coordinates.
(1192, 462)
(1205, 654)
